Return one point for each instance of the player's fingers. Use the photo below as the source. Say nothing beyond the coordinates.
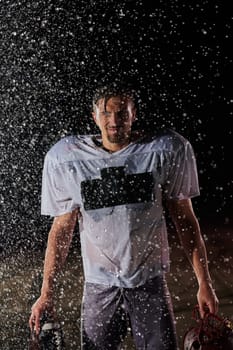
(37, 327)
(202, 309)
(34, 321)
(31, 321)
(213, 306)
(37, 322)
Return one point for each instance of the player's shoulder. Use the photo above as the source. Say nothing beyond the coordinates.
(64, 144)
(166, 138)
(68, 147)
(67, 142)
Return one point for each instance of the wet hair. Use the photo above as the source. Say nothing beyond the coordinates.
(114, 89)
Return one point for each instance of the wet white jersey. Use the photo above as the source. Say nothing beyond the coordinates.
(122, 227)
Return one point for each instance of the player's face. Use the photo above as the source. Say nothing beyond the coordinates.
(115, 119)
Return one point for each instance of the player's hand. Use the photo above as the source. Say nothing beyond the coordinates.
(41, 305)
(207, 299)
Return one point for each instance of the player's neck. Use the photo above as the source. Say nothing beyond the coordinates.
(112, 147)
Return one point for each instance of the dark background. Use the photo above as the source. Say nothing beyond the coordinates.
(52, 55)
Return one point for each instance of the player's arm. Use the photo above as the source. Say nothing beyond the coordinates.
(188, 229)
(58, 244)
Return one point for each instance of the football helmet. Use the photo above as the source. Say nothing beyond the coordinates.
(50, 336)
(211, 333)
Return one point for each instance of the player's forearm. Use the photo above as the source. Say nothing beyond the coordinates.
(53, 263)
(59, 240)
(200, 263)
(55, 255)
(195, 250)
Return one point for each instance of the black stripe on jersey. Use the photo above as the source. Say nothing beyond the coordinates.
(117, 188)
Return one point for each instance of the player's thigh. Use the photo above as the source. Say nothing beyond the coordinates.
(103, 318)
(152, 317)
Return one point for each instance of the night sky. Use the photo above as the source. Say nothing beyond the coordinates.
(53, 54)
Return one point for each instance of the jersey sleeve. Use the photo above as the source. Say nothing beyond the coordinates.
(56, 197)
(182, 181)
